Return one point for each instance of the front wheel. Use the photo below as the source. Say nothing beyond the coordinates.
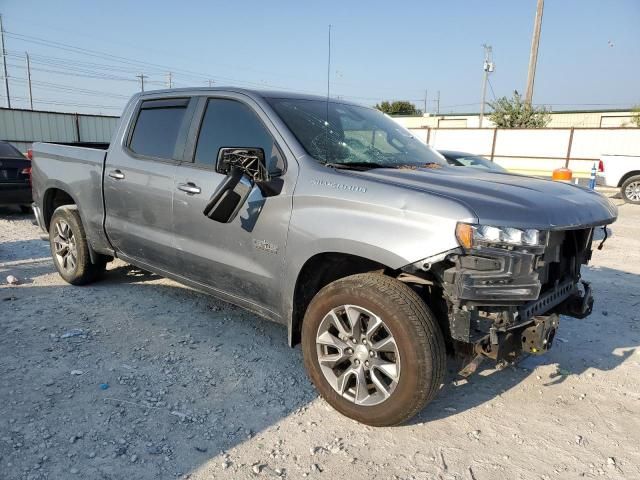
(69, 247)
(631, 190)
(373, 349)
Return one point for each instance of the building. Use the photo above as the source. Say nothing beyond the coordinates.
(23, 127)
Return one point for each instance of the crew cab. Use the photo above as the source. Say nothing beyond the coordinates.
(333, 220)
(623, 172)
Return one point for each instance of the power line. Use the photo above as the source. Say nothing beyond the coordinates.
(72, 104)
(491, 88)
(133, 62)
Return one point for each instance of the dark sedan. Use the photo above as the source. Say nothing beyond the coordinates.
(463, 159)
(15, 177)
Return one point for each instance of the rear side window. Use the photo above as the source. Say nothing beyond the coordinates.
(9, 151)
(156, 130)
(229, 123)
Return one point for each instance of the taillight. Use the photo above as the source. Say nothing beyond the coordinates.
(30, 154)
(27, 171)
(601, 166)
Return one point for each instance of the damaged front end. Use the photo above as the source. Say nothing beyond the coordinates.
(503, 297)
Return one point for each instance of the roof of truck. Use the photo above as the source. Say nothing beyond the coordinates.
(249, 91)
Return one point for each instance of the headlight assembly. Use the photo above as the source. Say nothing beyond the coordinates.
(470, 236)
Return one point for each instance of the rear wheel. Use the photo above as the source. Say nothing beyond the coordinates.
(69, 248)
(631, 190)
(373, 349)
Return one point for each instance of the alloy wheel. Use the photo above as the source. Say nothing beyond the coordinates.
(632, 191)
(358, 355)
(64, 244)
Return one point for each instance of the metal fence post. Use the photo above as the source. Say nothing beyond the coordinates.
(77, 118)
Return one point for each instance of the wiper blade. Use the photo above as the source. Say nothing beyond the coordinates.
(355, 165)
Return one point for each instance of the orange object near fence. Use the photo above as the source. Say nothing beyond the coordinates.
(562, 175)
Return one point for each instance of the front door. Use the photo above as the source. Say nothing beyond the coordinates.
(244, 258)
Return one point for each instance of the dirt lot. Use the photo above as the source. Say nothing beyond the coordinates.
(138, 377)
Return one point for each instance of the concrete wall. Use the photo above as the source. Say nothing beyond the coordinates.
(537, 151)
(558, 119)
(23, 127)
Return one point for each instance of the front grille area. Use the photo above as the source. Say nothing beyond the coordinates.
(565, 252)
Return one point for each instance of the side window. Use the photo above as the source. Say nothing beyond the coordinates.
(229, 123)
(157, 127)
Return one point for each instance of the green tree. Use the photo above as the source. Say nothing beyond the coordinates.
(516, 113)
(635, 116)
(398, 108)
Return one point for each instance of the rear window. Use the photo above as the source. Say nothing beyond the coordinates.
(156, 130)
(9, 151)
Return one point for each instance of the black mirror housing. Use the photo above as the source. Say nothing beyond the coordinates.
(227, 200)
(251, 161)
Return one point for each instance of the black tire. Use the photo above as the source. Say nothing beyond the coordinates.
(81, 271)
(417, 335)
(26, 209)
(630, 190)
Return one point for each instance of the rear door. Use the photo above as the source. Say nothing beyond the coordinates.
(243, 258)
(139, 182)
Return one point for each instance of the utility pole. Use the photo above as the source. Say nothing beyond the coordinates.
(533, 57)
(29, 79)
(488, 67)
(169, 80)
(438, 104)
(425, 102)
(211, 82)
(329, 72)
(142, 76)
(4, 64)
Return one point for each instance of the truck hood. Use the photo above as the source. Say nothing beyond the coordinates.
(503, 199)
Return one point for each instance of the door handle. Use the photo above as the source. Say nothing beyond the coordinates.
(117, 174)
(190, 188)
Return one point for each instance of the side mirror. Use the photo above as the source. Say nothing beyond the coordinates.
(244, 167)
(226, 201)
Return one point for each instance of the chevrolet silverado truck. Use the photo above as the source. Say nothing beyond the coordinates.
(333, 220)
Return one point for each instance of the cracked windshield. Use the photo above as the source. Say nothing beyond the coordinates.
(354, 137)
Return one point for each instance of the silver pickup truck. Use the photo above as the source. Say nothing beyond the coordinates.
(332, 219)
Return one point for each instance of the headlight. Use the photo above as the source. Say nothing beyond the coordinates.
(473, 235)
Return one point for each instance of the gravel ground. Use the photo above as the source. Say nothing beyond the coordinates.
(138, 377)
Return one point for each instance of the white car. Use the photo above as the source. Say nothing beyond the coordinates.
(623, 172)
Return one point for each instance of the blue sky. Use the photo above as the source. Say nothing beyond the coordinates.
(381, 50)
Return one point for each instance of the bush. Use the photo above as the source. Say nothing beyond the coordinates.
(515, 113)
(398, 108)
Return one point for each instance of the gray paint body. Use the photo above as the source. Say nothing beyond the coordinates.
(393, 217)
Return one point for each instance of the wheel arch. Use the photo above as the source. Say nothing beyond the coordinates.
(627, 176)
(320, 270)
(55, 196)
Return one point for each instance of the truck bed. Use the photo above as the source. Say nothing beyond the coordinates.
(78, 171)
